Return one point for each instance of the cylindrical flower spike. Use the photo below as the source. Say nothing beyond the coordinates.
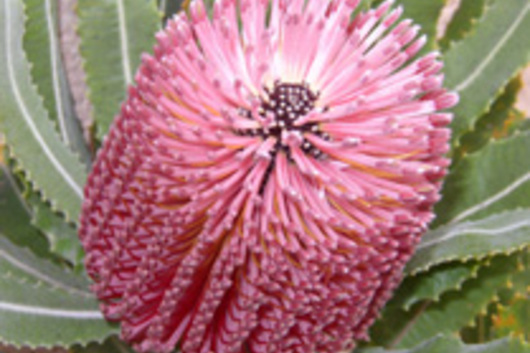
(267, 179)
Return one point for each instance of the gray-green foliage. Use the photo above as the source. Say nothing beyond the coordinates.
(452, 311)
(112, 42)
(47, 162)
(42, 305)
(449, 344)
(482, 63)
(42, 47)
(15, 216)
(465, 262)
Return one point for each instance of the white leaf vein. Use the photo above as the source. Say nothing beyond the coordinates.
(474, 228)
(124, 43)
(495, 50)
(45, 311)
(41, 276)
(495, 198)
(9, 25)
(55, 62)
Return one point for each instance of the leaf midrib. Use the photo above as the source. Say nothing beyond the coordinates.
(476, 230)
(491, 55)
(53, 312)
(493, 199)
(55, 72)
(22, 107)
(124, 43)
(41, 276)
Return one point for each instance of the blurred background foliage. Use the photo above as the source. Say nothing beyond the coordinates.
(66, 66)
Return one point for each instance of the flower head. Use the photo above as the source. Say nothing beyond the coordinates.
(267, 179)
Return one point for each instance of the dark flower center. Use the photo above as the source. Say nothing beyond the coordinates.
(279, 110)
(286, 103)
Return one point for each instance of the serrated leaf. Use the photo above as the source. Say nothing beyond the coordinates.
(450, 344)
(46, 161)
(456, 309)
(61, 235)
(28, 221)
(478, 66)
(485, 207)
(463, 21)
(521, 280)
(431, 285)
(500, 122)
(499, 233)
(42, 45)
(113, 36)
(513, 312)
(42, 305)
(15, 216)
(112, 345)
(495, 179)
(26, 267)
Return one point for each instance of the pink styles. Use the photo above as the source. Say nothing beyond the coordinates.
(267, 179)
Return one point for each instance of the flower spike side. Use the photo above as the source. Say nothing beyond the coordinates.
(267, 178)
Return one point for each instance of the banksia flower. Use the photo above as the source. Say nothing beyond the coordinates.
(267, 179)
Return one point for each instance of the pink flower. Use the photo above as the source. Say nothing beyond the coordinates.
(263, 187)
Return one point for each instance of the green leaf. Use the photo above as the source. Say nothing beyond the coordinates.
(41, 43)
(495, 179)
(478, 66)
(430, 285)
(500, 233)
(26, 267)
(112, 345)
(15, 216)
(513, 312)
(455, 309)
(520, 281)
(501, 121)
(61, 235)
(484, 209)
(26, 220)
(449, 344)
(47, 163)
(113, 36)
(52, 306)
(463, 21)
